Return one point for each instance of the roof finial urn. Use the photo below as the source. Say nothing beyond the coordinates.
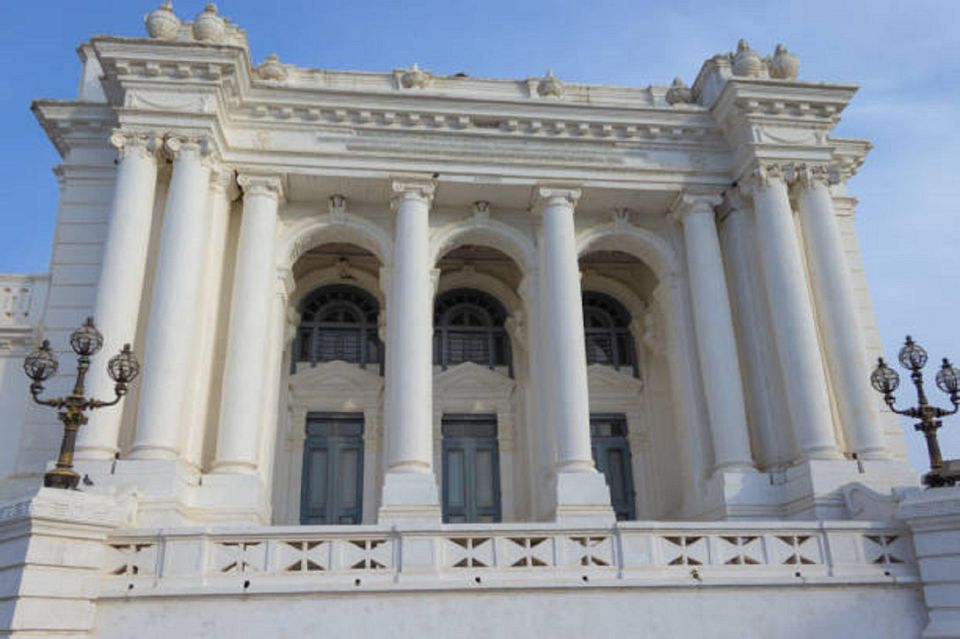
(679, 93)
(550, 86)
(746, 61)
(415, 78)
(208, 26)
(272, 69)
(784, 65)
(162, 23)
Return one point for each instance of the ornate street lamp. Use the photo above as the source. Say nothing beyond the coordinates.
(885, 380)
(42, 364)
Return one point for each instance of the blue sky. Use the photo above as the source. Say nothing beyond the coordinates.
(905, 56)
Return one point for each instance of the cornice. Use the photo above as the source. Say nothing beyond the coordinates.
(70, 124)
(801, 103)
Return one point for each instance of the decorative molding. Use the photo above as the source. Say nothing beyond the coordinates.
(471, 381)
(338, 208)
(481, 213)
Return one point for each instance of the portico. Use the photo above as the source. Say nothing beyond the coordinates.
(412, 332)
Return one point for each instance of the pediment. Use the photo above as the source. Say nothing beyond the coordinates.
(335, 376)
(606, 380)
(470, 378)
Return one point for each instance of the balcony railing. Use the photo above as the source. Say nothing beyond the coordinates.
(635, 554)
(21, 299)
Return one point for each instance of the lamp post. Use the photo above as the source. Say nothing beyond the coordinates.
(42, 364)
(886, 380)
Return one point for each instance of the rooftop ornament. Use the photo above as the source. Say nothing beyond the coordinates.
(746, 61)
(885, 381)
(784, 65)
(42, 364)
(415, 78)
(679, 93)
(208, 26)
(550, 86)
(272, 69)
(162, 23)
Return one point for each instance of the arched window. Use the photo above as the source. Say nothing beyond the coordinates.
(468, 327)
(338, 322)
(606, 324)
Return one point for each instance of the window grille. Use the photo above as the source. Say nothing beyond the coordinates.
(469, 327)
(606, 325)
(338, 322)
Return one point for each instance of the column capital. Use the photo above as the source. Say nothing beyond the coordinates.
(766, 173)
(256, 184)
(544, 195)
(223, 180)
(808, 175)
(415, 190)
(126, 142)
(177, 145)
(734, 200)
(686, 204)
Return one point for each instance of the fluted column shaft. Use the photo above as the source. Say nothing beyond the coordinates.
(567, 401)
(774, 441)
(222, 191)
(716, 341)
(794, 326)
(409, 369)
(249, 335)
(846, 353)
(121, 283)
(174, 314)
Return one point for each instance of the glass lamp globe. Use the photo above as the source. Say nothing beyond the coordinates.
(123, 368)
(41, 364)
(912, 355)
(884, 379)
(86, 340)
(948, 378)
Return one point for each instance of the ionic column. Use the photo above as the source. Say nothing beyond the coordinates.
(249, 338)
(409, 489)
(174, 315)
(774, 441)
(120, 287)
(281, 337)
(794, 326)
(222, 192)
(581, 492)
(716, 342)
(830, 279)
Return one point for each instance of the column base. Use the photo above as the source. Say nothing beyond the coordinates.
(812, 489)
(409, 499)
(52, 554)
(583, 499)
(933, 516)
(172, 492)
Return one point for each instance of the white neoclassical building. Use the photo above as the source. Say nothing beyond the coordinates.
(434, 355)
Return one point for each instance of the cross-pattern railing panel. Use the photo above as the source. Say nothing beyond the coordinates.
(345, 558)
